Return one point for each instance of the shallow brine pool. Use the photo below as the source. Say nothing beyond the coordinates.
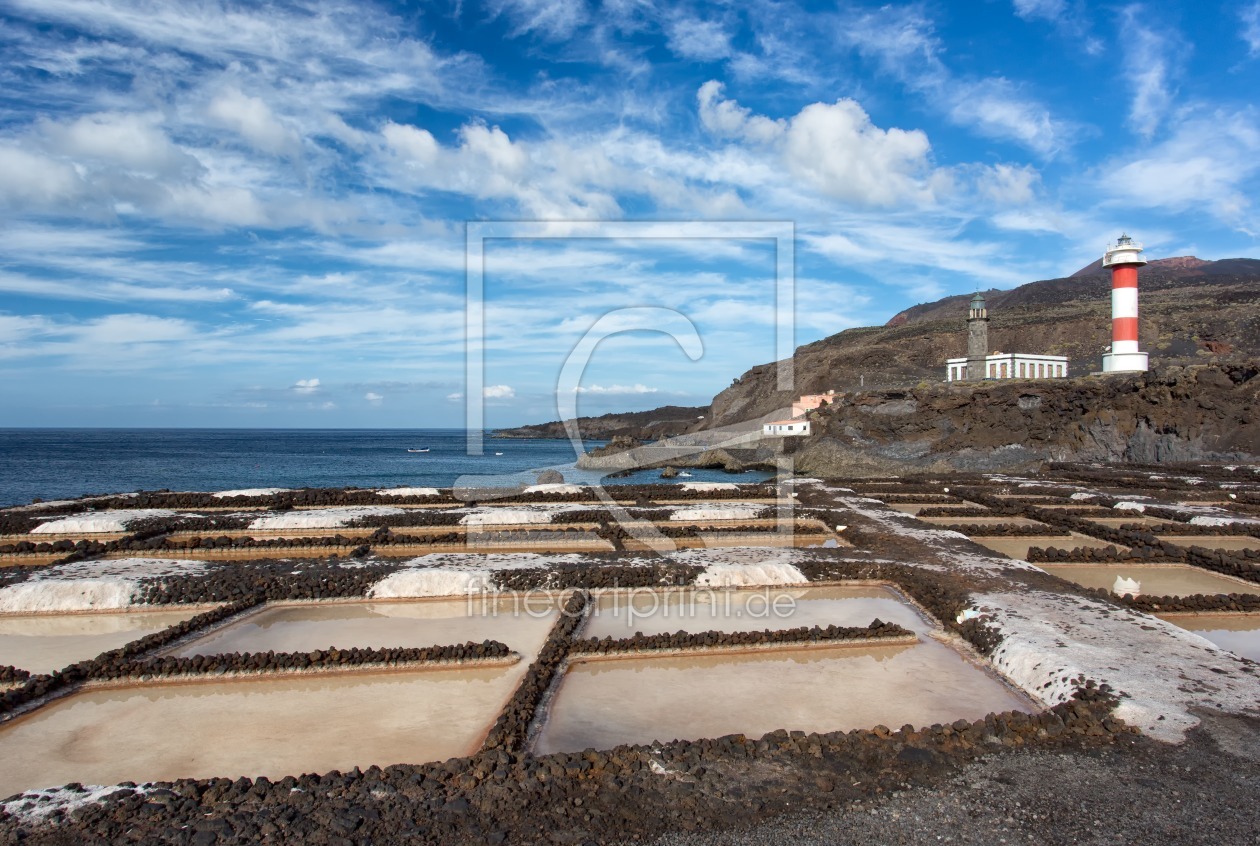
(42, 643)
(1152, 579)
(619, 614)
(1017, 547)
(521, 621)
(257, 727)
(638, 700)
(1238, 633)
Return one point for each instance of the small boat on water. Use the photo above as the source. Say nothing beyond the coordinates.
(498, 453)
(426, 449)
(684, 475)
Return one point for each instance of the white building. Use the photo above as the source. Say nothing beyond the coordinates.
(1011, 366)
(786, 428)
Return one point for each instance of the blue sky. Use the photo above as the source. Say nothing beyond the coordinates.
(253, 214)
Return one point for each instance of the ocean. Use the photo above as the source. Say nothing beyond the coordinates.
(65, 463)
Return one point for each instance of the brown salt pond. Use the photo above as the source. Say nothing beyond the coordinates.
(1017, 547)
(983, 521)
(1238, 633)
(913, 508)
(1225, 543)
(641, 699)
(620, 614)
(1153, 579)
(274, 727)
(42, 643)
(521, 621)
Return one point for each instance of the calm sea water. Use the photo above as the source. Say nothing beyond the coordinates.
(59, 463)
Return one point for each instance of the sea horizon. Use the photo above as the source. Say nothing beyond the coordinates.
(70, 462)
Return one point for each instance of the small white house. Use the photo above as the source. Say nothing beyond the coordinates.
(786, 428)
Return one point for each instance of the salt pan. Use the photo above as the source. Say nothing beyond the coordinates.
(323, 518)
(432, 581)
(734, 511)
(741, 575)
(555, 489)
(506, 517)
(710, 486)
(98, 521)
(250, 492)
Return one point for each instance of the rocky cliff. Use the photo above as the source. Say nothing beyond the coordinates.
(1191, 311)
(1172, 415)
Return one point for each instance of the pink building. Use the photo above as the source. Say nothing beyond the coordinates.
(808, 402)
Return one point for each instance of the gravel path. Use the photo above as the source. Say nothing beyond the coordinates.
(1205, 791)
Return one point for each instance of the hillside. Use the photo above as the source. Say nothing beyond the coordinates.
(1174, 414)
(1192, 311)
(656, 423)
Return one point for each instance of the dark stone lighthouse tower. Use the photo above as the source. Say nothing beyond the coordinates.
(977, 338)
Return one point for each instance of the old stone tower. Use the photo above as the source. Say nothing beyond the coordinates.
(977, 337)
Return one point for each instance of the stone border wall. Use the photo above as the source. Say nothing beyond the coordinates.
(877, 630)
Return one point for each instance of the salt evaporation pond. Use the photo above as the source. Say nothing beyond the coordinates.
(605, 702)
(1225, 543)
(1017, 547)
(1153, 579)
(1238, 633)
(640, 700)
(620, 614)
(42, 643)
(270, 727)
(521, 621)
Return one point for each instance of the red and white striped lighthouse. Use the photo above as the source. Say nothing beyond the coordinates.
(1124, 258)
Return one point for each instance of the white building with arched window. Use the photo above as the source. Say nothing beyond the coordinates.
(1011, 366)
(794, 428)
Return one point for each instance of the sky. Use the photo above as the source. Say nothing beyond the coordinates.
(257, 214)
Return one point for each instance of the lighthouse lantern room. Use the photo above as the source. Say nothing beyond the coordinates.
(1124, 257)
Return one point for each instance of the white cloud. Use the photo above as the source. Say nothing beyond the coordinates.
(552, 19)
(134, 141)
(1149, 67)
(833, 147)
(128, 329)
(455, 397)
(902, 40)
(30, 179)
(1007, 184)
(255, 122)
(498, 392)
(1207, 163)
(693, 38)
(306, 386)
(998, 108)
(1250, 16)
(373, 397)
(614, 389)
(1049, 10)
(17, 328)
(728, 119)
